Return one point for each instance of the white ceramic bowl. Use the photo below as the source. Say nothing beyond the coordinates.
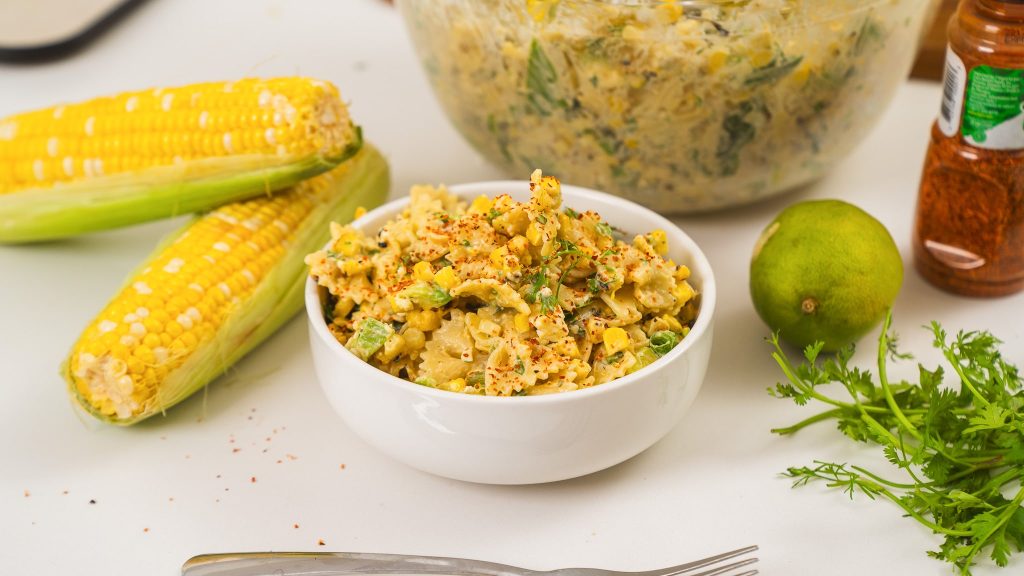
(523, 439)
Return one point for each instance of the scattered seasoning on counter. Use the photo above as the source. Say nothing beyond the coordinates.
(92, 501)
(296, 526)
(252, 480)
(321, 542)
(145, 530)
(27, 493)
(342, 467)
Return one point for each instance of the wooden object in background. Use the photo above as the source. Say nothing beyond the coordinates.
(932, 57)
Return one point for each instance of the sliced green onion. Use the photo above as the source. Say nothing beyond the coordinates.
(370, 338)
(664, 341)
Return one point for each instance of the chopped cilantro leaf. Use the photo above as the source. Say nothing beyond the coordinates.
(520, 367)
(537, 281)
(548, 303)
(596, 285)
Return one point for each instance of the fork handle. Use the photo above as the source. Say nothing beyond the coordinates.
(337, 563)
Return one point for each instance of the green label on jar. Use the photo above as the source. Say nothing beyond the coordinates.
(993, 117)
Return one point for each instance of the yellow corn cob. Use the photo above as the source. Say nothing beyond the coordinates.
(150, 154)
(212, 292)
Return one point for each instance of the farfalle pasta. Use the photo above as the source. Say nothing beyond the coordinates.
(503, 298)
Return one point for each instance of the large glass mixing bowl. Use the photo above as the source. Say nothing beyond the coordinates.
(682, 106)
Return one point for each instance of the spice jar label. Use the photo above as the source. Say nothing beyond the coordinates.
(952, 94)
(993, 116)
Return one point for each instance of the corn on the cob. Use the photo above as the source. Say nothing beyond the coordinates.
(212, 292)
(139, 156)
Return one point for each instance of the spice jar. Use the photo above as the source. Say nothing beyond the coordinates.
(969, 229)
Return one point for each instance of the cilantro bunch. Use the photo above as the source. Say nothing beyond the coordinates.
(958, 449)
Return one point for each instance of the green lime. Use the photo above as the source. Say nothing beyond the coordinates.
(824, 270)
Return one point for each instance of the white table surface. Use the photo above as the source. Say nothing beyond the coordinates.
(181, 485)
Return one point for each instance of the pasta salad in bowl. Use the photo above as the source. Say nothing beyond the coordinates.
(510, 332)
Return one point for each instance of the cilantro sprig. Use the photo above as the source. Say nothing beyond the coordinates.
(959, 449)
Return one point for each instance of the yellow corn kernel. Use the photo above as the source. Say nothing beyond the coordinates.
(343, 307)
(761, 58)
(669, 11)
(446, 278)
(659, 241)
(534, 234)
(498, 256)
(423, 320)
(717, 59)
(423, 272)
(673, 323)
(522, 322)
(518, 245)
(682, 273)
(688, 27)
(347, 244)
(350, 267)
(414, 338)
(360, 212)
(503, 259)
(456, 385)
(615, 340)
(683, 292)
(481, 205)
(393, 346)
(801, 74)
(631, 33)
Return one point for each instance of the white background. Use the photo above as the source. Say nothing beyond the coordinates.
(175, 486)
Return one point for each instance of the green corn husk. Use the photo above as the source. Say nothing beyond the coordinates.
(163, 192)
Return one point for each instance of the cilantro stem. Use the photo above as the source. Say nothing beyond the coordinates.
(807, 422)
(997, 482)
(883, 379)
(884, 481)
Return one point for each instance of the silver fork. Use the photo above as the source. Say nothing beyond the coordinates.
(338, 563)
